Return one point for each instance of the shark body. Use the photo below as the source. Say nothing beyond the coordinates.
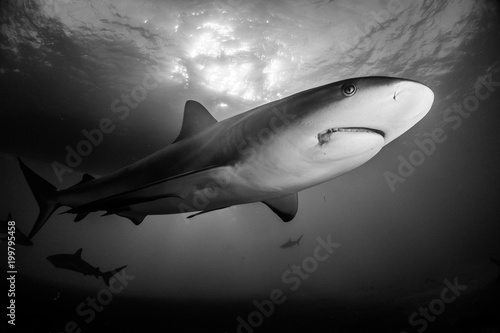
(74, 262)
(290, 243)
(267, 154)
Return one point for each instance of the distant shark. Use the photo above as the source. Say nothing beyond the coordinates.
(290, 243)
(267, 154)
(20, 237)
(74, 262)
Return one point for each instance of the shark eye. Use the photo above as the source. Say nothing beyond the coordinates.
(349, 89)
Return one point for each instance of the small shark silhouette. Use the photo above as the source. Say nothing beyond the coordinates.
(21, 238)
(74, 262)
(290, 243)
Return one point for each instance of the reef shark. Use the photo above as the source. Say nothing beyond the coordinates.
(267, 154)
(290, 243)
(74, 262)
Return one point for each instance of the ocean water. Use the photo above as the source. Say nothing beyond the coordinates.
(416, 226)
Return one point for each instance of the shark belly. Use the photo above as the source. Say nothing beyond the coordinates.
(209, 190)
(280, 169)
(273, 170)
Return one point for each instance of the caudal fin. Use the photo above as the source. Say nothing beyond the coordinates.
(108, 275)
(44, 193)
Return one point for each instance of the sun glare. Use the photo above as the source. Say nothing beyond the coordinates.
(227, 61)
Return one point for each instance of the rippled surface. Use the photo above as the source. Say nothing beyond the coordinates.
(67, 65)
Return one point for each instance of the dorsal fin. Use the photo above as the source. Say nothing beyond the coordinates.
(79, 253)
(196, 119)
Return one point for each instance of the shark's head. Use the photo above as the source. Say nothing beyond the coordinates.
(335, 128)
(355, 118)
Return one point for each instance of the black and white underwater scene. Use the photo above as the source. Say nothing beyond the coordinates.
(250, 166)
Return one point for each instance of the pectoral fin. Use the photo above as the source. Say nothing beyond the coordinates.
(285, 207)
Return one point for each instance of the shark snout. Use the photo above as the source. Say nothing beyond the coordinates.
(411, 101)
(416, 97)
(412, 89)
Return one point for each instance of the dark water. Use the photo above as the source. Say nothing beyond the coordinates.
(67, 65)
(473, 312)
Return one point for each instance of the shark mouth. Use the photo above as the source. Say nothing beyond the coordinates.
(324, 137)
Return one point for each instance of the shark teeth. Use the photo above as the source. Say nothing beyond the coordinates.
(324, 137)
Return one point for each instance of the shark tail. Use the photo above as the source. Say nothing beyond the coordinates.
(106, 276)
(45, 194)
